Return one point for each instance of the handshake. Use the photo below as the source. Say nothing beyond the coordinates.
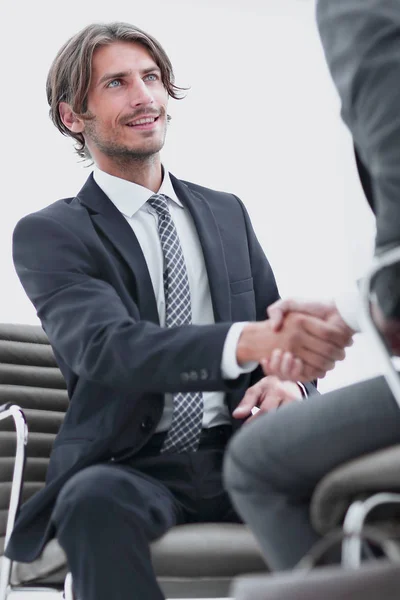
(300, 341)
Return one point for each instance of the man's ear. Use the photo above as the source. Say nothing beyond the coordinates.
(69, 118)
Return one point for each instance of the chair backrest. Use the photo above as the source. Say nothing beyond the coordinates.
(30, 378)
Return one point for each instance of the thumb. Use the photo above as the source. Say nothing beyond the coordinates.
(277, 311)
(275, 317)
(317, 309)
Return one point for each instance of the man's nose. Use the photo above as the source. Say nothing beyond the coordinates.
(140, 94)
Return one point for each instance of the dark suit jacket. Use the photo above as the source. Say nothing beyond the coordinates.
(82, 267)
(361, 41)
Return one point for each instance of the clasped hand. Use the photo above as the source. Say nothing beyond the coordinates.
(308, 337)
(322, 337)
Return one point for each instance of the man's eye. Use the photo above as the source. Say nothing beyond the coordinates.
(114, 83)
(151, 77)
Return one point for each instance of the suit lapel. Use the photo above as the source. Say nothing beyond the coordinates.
(112, 223)
(107, 217)
(211, 243)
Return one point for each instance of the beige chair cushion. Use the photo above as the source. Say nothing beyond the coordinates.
(376, 472)
(207, 550)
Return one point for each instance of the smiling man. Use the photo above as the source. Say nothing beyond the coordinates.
(153, 293)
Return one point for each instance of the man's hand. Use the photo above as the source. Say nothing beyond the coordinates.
(268, 393)
(317, 343)
(284, 364)
(280, 308)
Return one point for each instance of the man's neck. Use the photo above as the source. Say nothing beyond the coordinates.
(148, 172)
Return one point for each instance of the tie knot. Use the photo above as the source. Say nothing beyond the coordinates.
(160, 203)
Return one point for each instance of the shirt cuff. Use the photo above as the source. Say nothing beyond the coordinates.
(348, 303)
(229, 365)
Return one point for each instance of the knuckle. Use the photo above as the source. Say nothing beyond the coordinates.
(324, 333)
(341, 355)
(253, 391)
(326, 364)
(299, 318)
(331, 351)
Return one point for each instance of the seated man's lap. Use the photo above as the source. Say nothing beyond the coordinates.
(298, 444)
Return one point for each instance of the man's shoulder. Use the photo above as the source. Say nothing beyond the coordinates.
(210, 193)
(219, 201)
(61, 210)
(58, 207)
(69, 209)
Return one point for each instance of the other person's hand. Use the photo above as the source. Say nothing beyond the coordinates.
(326, 311)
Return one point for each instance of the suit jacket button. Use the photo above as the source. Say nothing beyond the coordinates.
(184, 376)
(203, 374)
(193, 376)
(146, 424)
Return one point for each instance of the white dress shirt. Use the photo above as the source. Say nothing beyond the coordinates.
(348, 303)
(131, 200)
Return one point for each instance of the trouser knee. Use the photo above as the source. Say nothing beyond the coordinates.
(249, 464)
(87, 500)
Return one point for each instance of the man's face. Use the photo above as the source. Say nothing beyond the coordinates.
(128, 101)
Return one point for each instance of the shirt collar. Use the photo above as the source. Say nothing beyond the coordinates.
(129, 197)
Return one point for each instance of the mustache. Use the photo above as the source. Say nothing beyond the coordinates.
(142, 113)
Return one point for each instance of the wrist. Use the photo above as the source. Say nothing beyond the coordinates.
(245, 346)
(293, 390)
(252, 344)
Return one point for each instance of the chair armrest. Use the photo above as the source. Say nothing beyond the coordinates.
(375, 472)
(21, 429)
(374, 579)
(386, 259)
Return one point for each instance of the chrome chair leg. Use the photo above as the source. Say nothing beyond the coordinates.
(68, 588)
(14, 411)
(354, 523)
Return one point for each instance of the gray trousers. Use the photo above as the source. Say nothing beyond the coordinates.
(273, 465)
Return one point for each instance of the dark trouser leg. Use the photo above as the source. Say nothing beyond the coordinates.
(273, 464)
(105, 517)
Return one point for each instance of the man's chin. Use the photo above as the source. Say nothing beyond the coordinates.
(144, 148)
(133, 153)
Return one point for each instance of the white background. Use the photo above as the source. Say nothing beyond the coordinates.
(261, 120)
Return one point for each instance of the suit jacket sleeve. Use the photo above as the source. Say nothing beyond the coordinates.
(361, 45)
(89, 326)
(265, 288)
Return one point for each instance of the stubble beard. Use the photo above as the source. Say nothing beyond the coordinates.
(122, 155)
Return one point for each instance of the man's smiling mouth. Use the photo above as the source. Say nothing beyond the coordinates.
(142, 121)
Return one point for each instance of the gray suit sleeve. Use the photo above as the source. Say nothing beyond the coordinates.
(361, 41)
